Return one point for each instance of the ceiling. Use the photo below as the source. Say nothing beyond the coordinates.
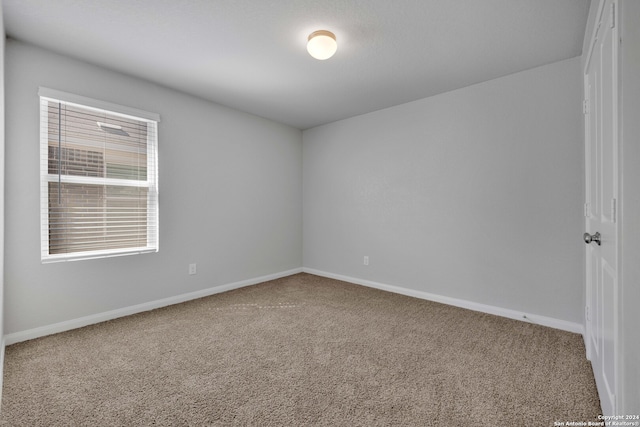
(251, 54)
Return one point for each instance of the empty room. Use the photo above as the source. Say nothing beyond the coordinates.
(330, 212)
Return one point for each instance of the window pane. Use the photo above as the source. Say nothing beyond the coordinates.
(84, 142)
(87, 217)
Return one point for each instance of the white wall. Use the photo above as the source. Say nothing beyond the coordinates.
(629, 316)
(2, 42)
(474, 194)
(230, 197)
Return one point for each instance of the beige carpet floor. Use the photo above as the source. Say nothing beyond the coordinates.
(302, 350)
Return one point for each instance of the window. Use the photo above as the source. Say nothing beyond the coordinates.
(99, 178)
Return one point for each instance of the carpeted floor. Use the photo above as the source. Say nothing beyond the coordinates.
(302, 350)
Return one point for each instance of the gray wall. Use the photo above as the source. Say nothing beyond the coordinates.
(230, 197)
(474, 194)
(2, 42)
(629, 316)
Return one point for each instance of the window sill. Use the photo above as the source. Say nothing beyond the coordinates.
(48, 259)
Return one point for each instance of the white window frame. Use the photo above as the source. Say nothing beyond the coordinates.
(153, 224)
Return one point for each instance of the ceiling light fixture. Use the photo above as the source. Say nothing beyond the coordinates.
(322, 44)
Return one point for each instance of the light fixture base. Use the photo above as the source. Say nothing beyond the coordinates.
(322, 44)
(321, 33)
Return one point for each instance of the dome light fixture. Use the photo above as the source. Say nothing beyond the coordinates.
(322, 44)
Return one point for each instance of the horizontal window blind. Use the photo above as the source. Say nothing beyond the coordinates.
(99, 183)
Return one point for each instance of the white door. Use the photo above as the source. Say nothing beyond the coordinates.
(601, 237)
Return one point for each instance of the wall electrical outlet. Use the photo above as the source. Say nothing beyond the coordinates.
(366, 260)
(192, 269)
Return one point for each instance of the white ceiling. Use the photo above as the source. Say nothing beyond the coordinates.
(251, 54)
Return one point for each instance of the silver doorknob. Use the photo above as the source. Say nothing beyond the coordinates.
(588, 238)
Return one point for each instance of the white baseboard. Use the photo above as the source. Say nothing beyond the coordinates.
(490, 309)
(126, 311)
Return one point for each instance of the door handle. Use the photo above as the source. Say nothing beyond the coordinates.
(588, 238)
